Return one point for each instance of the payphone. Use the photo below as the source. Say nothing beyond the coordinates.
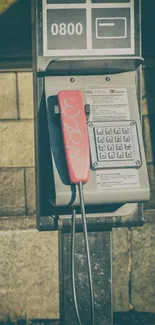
(88, 136)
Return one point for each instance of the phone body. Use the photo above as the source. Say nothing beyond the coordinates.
(118, 171)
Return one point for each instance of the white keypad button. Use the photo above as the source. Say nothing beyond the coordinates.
(109, 139)
(100, 139)
(117, 131)
(103, 155)
(110, 146)
(102, 147)
(100, 131)
(120, 154)
(118, 139)
(125, 130)
(119, 147)
(127, 146)
(129, 154)
(127, 138)
(111, 155)
(108, 131)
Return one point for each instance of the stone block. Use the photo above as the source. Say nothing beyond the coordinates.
(29, 271)
(14, 223)
(149, 138)
(121, 260)
(30, 191)
(143, 268)
(12, 195)
(29, 275)
(8, 102)
(25, 90)
(17, 144)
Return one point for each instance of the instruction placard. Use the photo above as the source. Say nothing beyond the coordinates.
(108, 104)
(117, 178)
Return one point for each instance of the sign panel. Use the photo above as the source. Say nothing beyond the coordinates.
(66, 29)
(65, 1)
(111, 28)
(84, 28)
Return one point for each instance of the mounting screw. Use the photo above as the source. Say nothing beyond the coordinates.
(90, 125)
(132, 123)
(72, 79)
(95, 164)
(107, 78)
(137, 162)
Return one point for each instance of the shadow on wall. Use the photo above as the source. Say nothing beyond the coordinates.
(148, 26)
(149, 110)
(148, 120)
(29, 322)
(129, 318)
(15, 32)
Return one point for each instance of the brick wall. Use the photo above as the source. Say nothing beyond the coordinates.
(29, 259)
(17, 191)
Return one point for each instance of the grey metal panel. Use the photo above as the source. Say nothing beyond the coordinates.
(64, 193)
(41, 29)
(88, 65)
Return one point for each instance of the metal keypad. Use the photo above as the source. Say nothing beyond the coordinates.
(114, 144)
(111, 148)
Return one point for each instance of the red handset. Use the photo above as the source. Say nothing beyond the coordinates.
(75, 135)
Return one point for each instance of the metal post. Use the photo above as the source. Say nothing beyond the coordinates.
(100, 250)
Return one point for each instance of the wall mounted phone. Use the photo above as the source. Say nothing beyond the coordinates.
(118, 172)
(87, 57)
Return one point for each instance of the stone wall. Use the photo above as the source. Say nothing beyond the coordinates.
(29, 259)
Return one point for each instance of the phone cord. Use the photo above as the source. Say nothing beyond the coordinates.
(83, 215)
(73, 267)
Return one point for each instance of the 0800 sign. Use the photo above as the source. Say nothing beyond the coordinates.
(66, 29)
